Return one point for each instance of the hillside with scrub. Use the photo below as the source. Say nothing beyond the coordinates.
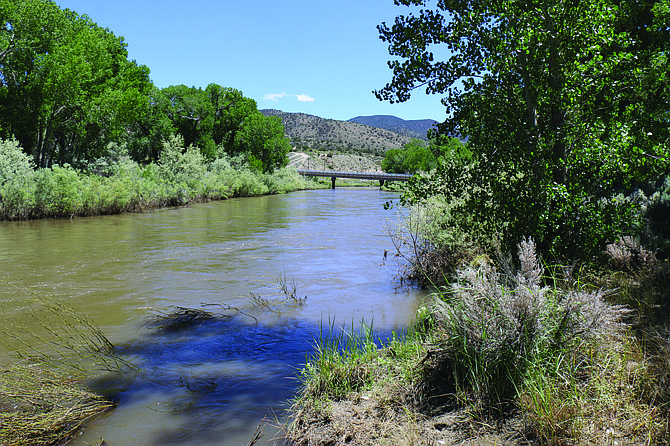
(312, 133)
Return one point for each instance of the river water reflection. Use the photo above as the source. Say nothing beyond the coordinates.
(213, 383)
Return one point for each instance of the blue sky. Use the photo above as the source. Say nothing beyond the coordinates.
(309, 56)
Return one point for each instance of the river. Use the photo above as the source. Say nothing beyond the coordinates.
(212, 384)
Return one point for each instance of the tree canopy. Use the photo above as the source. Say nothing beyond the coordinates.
(418, 156)
(66, 85)
(565, 105)
(68, 90)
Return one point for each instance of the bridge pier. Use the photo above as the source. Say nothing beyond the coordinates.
(332, 179)
(381, 184)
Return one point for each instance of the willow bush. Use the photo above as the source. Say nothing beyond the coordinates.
(115, 183)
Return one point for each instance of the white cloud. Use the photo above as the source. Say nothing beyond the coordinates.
(304, 98)
(274, 96)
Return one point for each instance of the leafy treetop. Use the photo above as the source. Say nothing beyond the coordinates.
(565, 105)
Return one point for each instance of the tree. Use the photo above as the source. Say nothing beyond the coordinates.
(262, 139)
(220, 118)
(565, 104)
(66, 85)
(192, 116)
(414, 157)
(231, 109)
(146, 135)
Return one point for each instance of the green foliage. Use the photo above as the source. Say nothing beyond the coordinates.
(413, 158)
(565, 106)
(67, 90)
(181, 166)
(338, 365)
(416, 156)
(262, 138)
(16, 179)
(220, 119)
(66, 84)
(115, 183)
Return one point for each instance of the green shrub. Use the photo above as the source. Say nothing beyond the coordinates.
(288, 179)
(58, 192)
(497, 323)
(16, 182)
(115, 183)
(14, 163)
(429, 244)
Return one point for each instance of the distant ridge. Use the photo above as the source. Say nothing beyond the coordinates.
(308, 132)
(417, 128)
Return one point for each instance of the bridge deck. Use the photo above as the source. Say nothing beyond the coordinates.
(359, 175)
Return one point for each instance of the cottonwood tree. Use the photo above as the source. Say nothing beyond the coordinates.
(67, 87)
(262, 139)
(565, 105)
(223, 119)
(192, 116)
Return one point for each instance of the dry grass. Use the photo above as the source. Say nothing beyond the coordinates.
(43, 399)
(42, 406)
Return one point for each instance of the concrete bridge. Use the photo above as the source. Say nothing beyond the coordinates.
(382, 177)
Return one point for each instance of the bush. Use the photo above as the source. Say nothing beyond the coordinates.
(431, 247)
(497, 323)
(183, 167)
(116, 184)
(16, 181)
(14, 164)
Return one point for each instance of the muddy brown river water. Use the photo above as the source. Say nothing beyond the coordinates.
(213, 383)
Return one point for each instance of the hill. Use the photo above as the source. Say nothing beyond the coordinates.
(312, 133)
(417, 128)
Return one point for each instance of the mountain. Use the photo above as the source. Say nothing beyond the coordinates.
(308, 132)
(417, 128)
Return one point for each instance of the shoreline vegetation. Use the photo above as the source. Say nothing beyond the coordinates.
(508, 351)
(116, 184)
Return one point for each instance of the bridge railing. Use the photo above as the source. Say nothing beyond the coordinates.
(382, 177)
(359, 175)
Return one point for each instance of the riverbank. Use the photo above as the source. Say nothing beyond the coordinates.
(120, 185)
(116, 184)
(585, 366)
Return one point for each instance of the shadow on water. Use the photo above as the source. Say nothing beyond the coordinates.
(211, 384)
(215, 379)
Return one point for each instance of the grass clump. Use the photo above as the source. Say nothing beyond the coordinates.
(44, 406)
(495, 324)
(43, 396)
(355, 389)
(339, 364)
